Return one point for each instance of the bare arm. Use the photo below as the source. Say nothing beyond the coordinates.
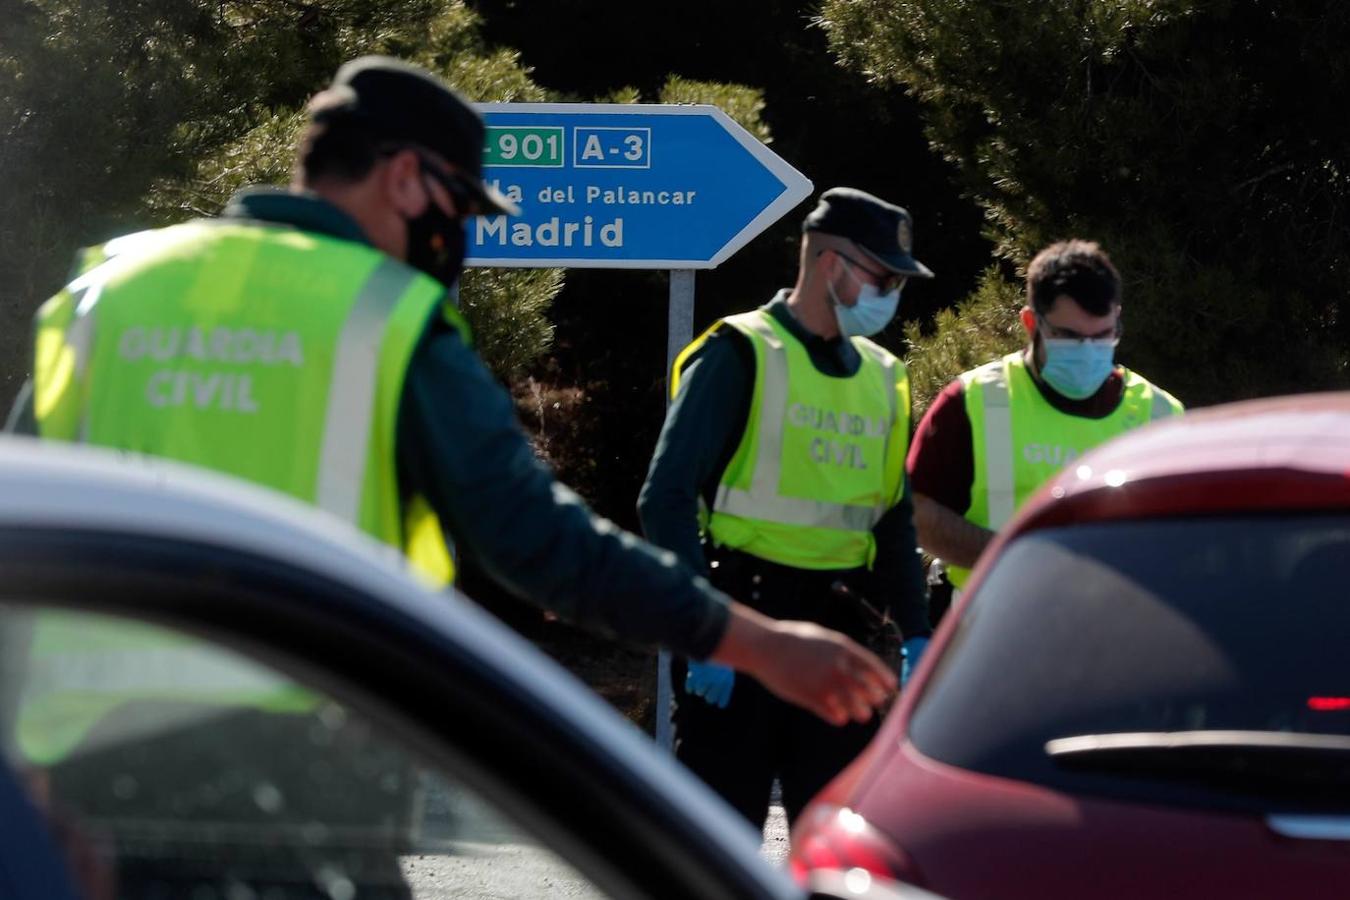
(947, 534)
(806, 664)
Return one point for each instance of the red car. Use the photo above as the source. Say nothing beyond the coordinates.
(1144, 693)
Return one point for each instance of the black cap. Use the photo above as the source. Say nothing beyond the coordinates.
(882, 230)
(405, 103)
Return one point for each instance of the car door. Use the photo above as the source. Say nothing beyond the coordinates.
(215, 708)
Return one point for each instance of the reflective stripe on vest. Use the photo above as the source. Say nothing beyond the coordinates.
(753, 507)
(998, 448)
(351, 397)
(64, 344)
(1003, 400)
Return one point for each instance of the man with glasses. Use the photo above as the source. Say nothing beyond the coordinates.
(780, 474)
(1000, 431)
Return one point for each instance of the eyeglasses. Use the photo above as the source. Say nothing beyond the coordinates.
(885, 281)
(1055, 333)
(456, 185)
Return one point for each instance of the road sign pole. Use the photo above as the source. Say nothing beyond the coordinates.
(680, 321)
(679, 332)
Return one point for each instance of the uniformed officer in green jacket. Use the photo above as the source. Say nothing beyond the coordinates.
(780, 473)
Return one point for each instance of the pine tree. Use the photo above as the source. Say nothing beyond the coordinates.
(1201, 143)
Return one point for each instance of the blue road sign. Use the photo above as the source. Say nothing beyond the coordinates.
(626, 186)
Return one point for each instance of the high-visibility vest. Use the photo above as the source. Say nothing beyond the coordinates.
(1020, 441)
(268, 353)
(821, 458)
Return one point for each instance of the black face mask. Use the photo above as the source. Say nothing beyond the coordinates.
(436, 244)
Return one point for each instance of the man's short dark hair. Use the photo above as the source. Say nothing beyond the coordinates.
(337, 148)
(1078, 269)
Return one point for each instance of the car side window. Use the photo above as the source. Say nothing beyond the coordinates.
(170, 766)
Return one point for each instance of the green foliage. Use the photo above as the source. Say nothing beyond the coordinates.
(262, 155)
(743, 104)
(1201, 143)
(622, 95)
(147, 114)
(508, 310)
(983, 327)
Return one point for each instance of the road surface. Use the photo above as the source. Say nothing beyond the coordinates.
(471, 854)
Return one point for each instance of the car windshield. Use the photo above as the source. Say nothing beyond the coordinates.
(1169, 652)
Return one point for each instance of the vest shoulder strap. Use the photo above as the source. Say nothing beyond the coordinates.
(755, 324)
(1163, 404)
(994, 372)
(751, 324)
(988, 386)
(869, 348)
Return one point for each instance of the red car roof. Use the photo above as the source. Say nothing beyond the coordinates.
(1285, 453)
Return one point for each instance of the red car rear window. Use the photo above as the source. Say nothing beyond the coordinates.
(1197, 626)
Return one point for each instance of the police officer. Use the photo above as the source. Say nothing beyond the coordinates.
(780, 473)
(1000, 431)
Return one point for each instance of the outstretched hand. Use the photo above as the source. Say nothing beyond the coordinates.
(807, 665)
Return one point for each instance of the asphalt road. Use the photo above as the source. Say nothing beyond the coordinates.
(775, 848)
(475, 871)
(471, 854)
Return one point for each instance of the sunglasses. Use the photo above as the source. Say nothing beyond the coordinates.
(456, 185)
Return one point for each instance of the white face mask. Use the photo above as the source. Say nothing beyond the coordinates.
(872, 311)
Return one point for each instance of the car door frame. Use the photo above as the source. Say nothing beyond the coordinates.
(463, 693)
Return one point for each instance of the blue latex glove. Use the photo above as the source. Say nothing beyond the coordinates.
(911, 651)
(711, 682)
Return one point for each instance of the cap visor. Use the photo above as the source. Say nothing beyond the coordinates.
(900, 263)
(492, 201)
